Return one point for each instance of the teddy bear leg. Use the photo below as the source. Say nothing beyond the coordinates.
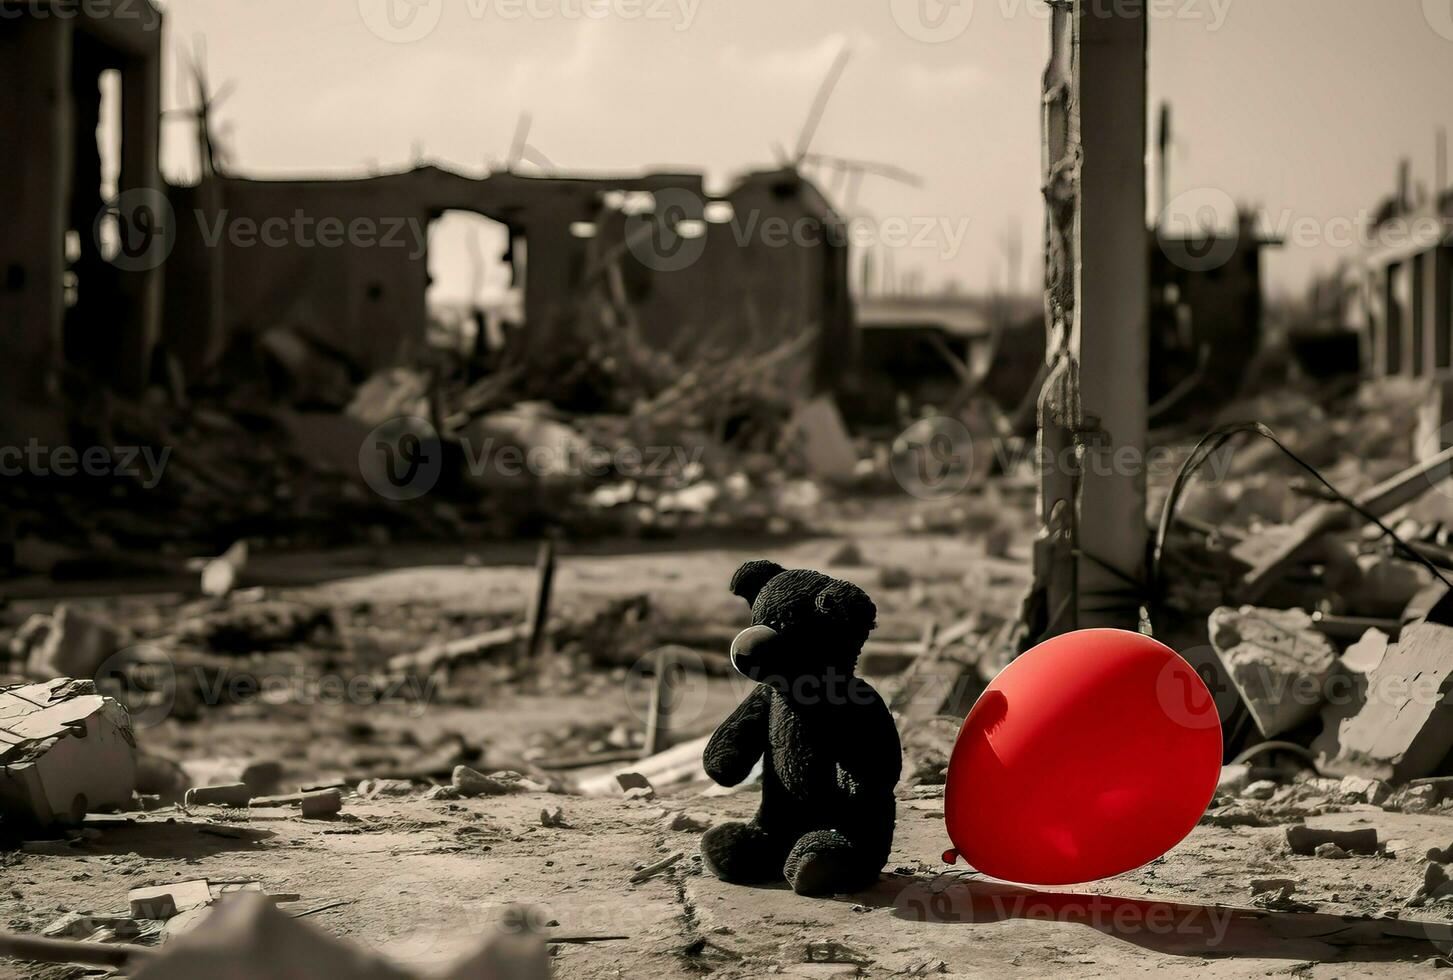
(824, 862)
(743, 853)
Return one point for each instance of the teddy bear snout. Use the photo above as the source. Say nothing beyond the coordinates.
(748, 649)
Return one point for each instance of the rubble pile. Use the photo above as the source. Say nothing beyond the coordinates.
(613, 443)
(1315, 629)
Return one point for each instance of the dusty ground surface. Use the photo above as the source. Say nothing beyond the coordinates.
(421, 878)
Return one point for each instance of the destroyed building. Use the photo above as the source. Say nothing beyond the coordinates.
(1407, 286)
(703, 273)
(66, 303)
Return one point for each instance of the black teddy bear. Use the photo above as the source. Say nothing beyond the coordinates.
(831, 749)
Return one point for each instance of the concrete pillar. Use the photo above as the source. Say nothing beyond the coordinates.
(550, 261)
(1419, 361)
(1394, 317)
(141, 288)
(1440, 303)
(1092, 553)
(35, 115)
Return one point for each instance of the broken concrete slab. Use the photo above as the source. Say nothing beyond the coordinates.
(1278, 661)
(165, 901)
(65, 751)
(1404, 727)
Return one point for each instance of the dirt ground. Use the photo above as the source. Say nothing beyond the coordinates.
(421, 879)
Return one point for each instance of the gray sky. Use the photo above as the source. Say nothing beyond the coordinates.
(1301, 107)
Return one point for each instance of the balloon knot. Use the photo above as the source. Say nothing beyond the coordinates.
(951, 855)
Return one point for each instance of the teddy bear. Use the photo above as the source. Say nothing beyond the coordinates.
(827, 742)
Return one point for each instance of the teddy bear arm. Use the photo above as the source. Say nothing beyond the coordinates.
(738, 742)
(875, 761)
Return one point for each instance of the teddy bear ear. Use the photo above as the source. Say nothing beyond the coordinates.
(844, 602)
(749, 579)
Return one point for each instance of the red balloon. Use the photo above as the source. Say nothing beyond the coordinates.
(1088, 756)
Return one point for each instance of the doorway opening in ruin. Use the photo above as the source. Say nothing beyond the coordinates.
(92, 235)
(476, 283)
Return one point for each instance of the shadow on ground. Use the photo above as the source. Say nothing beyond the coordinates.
(1172, 928)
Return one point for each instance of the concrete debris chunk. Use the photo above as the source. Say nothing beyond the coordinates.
(165, 901)
(554, 819)
(315, 805)
(1234, 778)
(371, 789)
(1330, 850)
(66, 751)
(1404, 727)
(1305, 840)
(1436, 885)
(228, 794)
(1275, 895)
(1360, 789)
(261, 776)
(220, 574)
(471, 782)
(1366, 654)
(680, 822)
(1347, 687)
(1233, 815)
(69, 643)
(1414, 799)
(1278, 661)
(74, 925)
(1262, 789)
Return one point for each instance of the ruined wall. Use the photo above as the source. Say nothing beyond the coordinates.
(49, 187)
(741, 286)
(35, 118)
(342, 263)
